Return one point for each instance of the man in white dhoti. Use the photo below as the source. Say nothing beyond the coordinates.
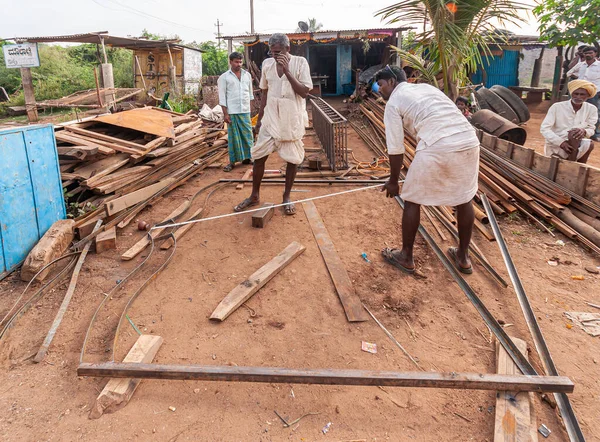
(444, 170)
(569, 125)
(282, 118)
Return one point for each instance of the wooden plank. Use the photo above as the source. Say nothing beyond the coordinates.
(513, 409)
(102, 167)
(573, 176)
(118, 392)
(467, 381)
(107, 138)
(343, 286)
(256, 281)
(131, 199)
(146, 120)
(79, 152)
(139, 246)
(262, 217)
(68, 138)
(41, 354)
(246, 176)
(106, 240)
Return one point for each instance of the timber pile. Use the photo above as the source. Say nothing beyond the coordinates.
(509, 186)
(115, 165)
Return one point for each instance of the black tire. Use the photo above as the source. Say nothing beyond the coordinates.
(513, 101)
(481, 101)
(498, 105)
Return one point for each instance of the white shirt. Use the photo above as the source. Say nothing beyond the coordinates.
(587, 72)
(428, 114)
(561, 118)
(285, 116)
(235, 94)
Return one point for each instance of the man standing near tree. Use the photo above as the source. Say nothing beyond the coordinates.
(285, 82)
(235, 94)
(589, 70)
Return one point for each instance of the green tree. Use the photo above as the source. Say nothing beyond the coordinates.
(150, 36)
(567, 23)
(456, 35)
(313, 25)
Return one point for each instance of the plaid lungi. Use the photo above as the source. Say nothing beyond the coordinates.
(240, 138)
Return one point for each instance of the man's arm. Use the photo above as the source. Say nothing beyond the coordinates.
(590, 122)
(261, 111)
(394, 134)
(546, 129)
(298, 87)
(222, 87)
(574, 71)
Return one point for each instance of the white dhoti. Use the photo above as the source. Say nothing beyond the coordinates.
(443, 174)
(289, 151)
(552, 150)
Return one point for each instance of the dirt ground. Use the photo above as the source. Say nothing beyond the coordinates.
(295, 321)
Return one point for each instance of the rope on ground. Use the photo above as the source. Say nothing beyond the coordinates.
(262, 208)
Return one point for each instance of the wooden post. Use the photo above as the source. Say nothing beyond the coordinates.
(172, 73)
(230, 48)
(557, 75)
(537, 70)
(97, 87)
(30, 106)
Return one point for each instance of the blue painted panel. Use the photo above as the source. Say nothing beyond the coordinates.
(501, 69)
(344, 70)
(17, 207)
(45, 176)
(31, 197)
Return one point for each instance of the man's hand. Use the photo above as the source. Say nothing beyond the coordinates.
(392, 189)
(284, 61)
(566, 147)
(577, 134)
(227, 118)
(256, 128)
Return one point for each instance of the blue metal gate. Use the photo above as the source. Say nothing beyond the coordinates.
(500, 69)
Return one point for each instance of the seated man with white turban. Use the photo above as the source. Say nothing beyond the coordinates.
(569, 125)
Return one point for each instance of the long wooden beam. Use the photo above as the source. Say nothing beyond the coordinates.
(467, 381)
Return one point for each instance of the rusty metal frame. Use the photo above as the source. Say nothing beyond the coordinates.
(331, 128)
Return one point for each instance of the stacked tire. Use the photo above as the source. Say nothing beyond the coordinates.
(503, 102)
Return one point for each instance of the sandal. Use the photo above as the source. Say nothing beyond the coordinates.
(452, 253)
(247, 203)
(388, 255)
(289, 209)
(228, 168)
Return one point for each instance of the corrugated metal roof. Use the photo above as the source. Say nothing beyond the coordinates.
(371, 30)
(110, 40)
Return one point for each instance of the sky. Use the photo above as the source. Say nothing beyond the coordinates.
(194, 19)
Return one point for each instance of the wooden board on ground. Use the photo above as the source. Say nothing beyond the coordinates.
(262, 217)
(106, 240)
(145, 120)
(350, 301)
(514, 410)
(256, 281)
(117, 392)
(246, 176)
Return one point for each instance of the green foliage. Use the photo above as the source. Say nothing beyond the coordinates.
(150, 36)
(567, 23)
(313, 25)
(65, 70)
(214, 59)
(184, 103)
(456, 34)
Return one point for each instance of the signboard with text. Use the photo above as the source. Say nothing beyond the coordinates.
(23, 55)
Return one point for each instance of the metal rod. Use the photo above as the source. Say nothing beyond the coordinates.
(467, 381)
(563, 403)
(316, 181)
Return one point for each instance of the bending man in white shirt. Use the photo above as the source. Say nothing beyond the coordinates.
(235, 94)
(444, 170)
(589, 69)
(569, 124)
(282, 118)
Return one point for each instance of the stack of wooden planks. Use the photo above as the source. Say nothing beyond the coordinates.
(114, 165)
(509, 186)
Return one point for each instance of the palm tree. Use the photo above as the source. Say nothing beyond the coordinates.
(455, 34)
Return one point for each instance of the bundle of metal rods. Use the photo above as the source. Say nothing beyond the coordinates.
(509, 186)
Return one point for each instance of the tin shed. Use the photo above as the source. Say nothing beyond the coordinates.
(31, 197)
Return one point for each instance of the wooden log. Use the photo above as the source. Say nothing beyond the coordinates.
(579, 226)
(467, 381)
(343, 286)
(106, 240)
(514, 410)
(591, 221)
(256, 281)
(52, 245)
(118, 392)
(262, 217)
(41, 354)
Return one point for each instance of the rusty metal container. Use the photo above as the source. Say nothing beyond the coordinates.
(494, 124)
